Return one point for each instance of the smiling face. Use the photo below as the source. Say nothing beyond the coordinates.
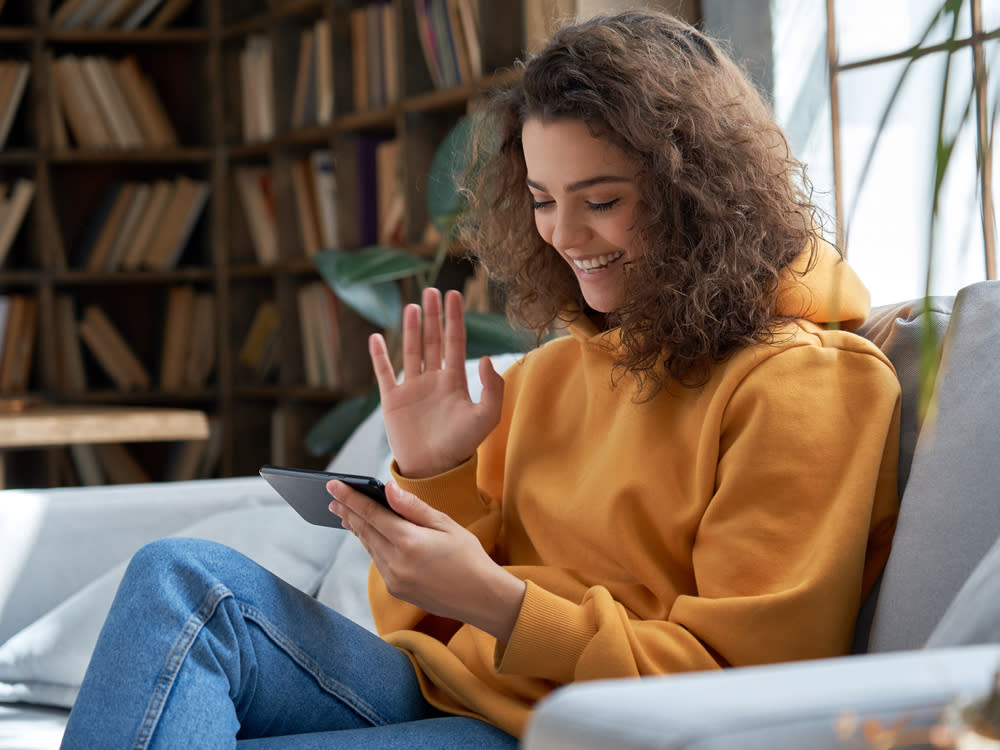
(586, 199)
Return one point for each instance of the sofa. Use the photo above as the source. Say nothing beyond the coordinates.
(928, 638)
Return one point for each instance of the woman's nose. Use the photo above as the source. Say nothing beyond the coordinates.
(569, 231)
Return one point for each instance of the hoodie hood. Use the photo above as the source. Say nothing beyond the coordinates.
(828, 292)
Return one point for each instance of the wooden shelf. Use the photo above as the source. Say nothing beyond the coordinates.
(194, 66)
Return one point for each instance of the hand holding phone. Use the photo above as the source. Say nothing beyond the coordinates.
(305, 491)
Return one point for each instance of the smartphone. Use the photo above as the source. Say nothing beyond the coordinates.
(305, 491)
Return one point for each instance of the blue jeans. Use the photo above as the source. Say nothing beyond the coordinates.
(203, 648)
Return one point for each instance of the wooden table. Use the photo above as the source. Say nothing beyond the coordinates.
(49, 425)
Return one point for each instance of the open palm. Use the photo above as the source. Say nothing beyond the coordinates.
(432, 423)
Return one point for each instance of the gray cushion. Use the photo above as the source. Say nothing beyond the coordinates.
(950, 513)
(973, 617)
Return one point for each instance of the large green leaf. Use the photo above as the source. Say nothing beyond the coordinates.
(330, 433)
(491, 333)
(373, 264)
(380, 302)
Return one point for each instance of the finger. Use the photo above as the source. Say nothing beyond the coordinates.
(412, 348)
(413, 509)
(358, 513)
(454, 331)
(381, 364)
(432, 329)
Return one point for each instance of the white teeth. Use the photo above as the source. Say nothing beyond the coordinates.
(596, 264)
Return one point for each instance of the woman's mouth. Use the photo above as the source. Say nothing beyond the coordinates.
(598, 263)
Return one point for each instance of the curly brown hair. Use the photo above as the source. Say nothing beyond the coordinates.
(727, 207)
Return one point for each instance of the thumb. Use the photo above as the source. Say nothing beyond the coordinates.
(412, 508)
(492, 396)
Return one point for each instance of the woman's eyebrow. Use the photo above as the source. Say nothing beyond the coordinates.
(582, 184)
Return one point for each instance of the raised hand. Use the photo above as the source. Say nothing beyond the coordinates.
(432, 423)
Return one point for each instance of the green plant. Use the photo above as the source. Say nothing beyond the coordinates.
(377, 282)
(971, 101)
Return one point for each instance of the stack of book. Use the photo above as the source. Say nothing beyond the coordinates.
(14, 202)
(312, 101)
(142, 225)
(13, 82)
(127, 15)
(314, 186)
(188, 355)
(374, 51)
(320, 330)
(109, 103)
(449, 38)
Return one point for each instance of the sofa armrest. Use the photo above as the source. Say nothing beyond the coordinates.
(799, 704)
(55, 541)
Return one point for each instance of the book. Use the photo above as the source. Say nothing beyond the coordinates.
(72, 373)
(59, 137)
(75, 13)
(96, 88)
(263, 328)
(16, 72)
(140, 14)
(325, 190)
(468, 15)
(111, 13)
(87, 466)
(98, 256)
(159, 199)
(18, 344)
(151, 116)
(177, 224)
(111, 350)
(256, 85)
(15, 208)
(324, 72)
(86, 123)
(113, 102)
(129, 226)
(304, 96)
(428, 42)
(185, 460)
(168, 14)
(119, 466)
(177, 333)
(387, 188)
(390, 53)
(257, 208)
(202, 349)
(360, 62)
(98, 218)
(305, 206)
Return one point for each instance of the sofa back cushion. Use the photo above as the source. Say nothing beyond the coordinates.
(950, 507)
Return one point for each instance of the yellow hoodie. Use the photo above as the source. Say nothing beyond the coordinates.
(738, 523)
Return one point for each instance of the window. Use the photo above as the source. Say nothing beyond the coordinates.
(879, 178)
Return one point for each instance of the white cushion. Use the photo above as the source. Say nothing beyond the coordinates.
(44, 663)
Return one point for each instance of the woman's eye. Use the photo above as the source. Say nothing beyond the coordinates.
(537, 204)
(607, 206)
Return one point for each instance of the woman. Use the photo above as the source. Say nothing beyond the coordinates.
(700, 474)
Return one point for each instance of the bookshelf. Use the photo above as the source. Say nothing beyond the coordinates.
(239, 136)
(273, 117)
